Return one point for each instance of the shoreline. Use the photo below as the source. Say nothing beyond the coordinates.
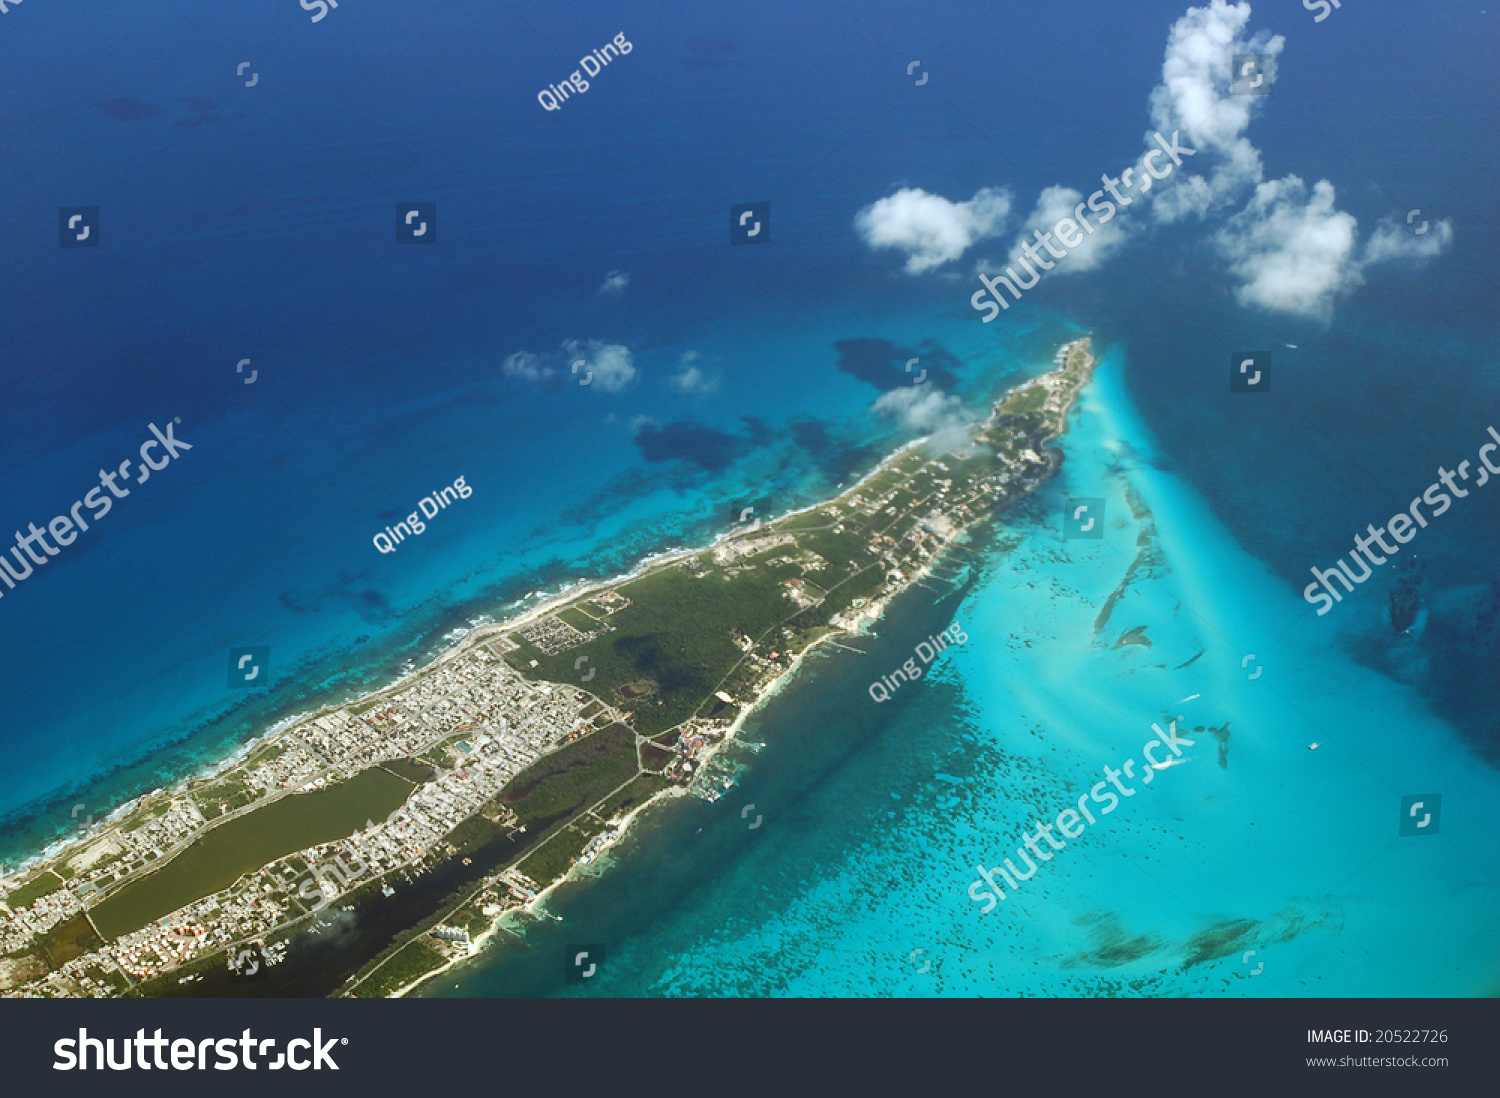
(869, 615)
(473, 634)
(1041, 405)
(769, 690)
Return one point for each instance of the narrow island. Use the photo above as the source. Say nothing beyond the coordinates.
(382, 841)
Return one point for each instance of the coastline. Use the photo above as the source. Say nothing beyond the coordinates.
(870, 614)
(474, 634)
(627, 822)
(1034, 411)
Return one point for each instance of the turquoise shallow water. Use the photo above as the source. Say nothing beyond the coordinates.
(875, 817)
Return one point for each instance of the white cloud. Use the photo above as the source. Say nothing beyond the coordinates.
(1195, 96)
(1290, 248)
(615, 283)
(692, 378)
(1053, 205)
(929, 228)
(1296, 253)
(1393, 240)
(1292, 252)
(526, 366)
(929, 411)
(611, 365)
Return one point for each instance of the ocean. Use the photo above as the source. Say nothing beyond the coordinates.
(260, 223)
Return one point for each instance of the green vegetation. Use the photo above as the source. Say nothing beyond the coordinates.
(809, 521)
(1029, 399)
(569, 780)
(146, 816)
(478, 831)
(111, 977)
(168, 983)
(683, 636)
(33, 890)
(579, 619)
(673, 646)
(466, 918)
(413, 960)
(588, 825)
(69, 940)
(846, 551)
(555, 857)
(632, 796)
(653, 757)
(675, 633)
(230, 792)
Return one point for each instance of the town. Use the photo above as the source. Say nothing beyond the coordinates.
(539, 738)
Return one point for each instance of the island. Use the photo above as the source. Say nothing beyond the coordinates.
(383, 840)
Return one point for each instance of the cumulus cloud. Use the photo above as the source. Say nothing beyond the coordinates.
(1289, 248)
(929, 228)
(1053, 205)
(694, 379)
(612, 364)
(526, 366)
(1393, 240)
(606, 366)
(615, 283)
(1195, 96)
(1292, 251)
(929, 411)
(1295, 252)
(1194, 100)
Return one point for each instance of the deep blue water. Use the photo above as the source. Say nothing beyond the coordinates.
(260, 223)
